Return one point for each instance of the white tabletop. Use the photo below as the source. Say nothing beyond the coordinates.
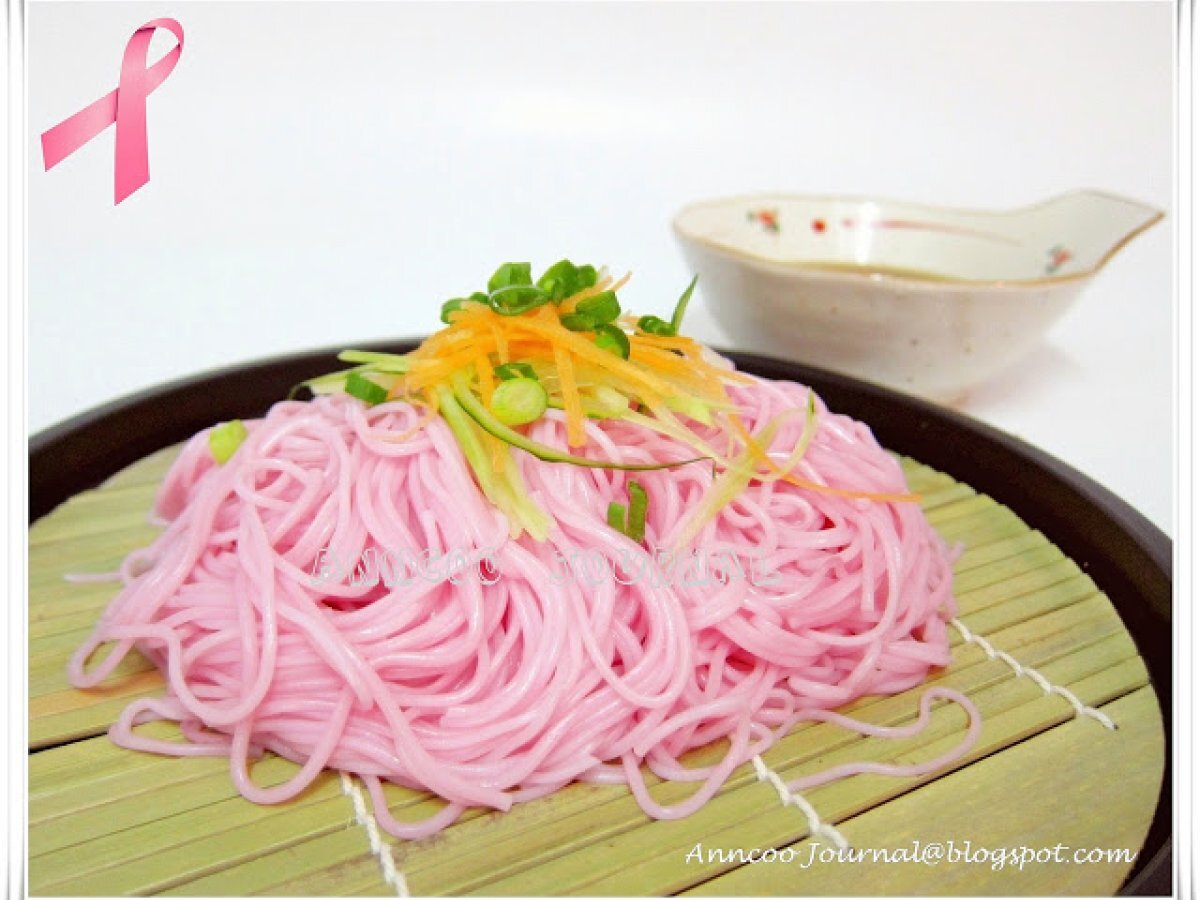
(326, 175)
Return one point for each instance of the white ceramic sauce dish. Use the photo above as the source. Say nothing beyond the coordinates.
(929, 300)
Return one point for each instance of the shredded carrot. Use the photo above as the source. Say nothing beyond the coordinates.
(691, 349)
(572, 405)
(666, 362)
(439, 342)
(501, 342)
(581, 347)
(524, 348)
(570, 397)
(659, 368)
(670, 342)
(427, 372)
(662, 359)
(476, 314)
(851, 493)
(487, 379)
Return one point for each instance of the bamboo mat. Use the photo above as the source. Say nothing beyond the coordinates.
(105, 821)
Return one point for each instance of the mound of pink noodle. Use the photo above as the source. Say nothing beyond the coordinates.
(518, 676)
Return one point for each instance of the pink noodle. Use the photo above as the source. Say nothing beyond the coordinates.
(486, 694)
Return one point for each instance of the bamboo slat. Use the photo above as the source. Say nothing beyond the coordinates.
(105, 821)
(987, 821)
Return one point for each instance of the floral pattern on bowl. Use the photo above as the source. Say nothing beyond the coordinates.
(931, 300)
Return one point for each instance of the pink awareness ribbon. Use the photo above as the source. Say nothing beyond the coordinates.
(126, 107)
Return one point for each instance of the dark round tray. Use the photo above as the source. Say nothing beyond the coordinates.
(1126, 555)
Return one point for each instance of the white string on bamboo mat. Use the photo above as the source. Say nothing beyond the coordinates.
(379, 846)
(816, 827)
(1022, 671)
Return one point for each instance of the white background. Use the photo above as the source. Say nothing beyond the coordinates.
(328, 173)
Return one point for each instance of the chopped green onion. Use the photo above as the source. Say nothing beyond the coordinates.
(587, 276)
(517, 299)
(519, 401)
(616, 516)
(224, 440)
(512, 370)
(362, 387)
(681, 305)
(602, 308)
(655, 325)
(638, 502)
(579, 322)
(612, 339)
(561, 280)
(510, 274)
(632, 524)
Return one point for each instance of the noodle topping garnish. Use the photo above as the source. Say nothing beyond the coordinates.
(507, 355)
